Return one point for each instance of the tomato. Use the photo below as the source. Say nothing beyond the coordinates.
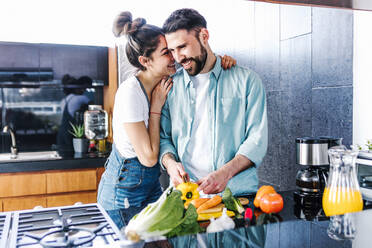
(262, 191)
(271, 203)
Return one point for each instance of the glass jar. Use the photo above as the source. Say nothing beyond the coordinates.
(342, 194)
(95, 123)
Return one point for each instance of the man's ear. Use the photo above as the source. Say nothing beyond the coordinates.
(204, 36)
(143, 61)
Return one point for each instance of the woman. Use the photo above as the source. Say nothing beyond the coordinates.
(132, 171)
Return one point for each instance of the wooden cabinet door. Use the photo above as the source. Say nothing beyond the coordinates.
(21, 203)
(70, 199)
(22, 184)
(71, 181)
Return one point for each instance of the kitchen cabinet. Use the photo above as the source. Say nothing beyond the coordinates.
(75, 60)
(25, 190)
(21, 184)
(19, 203)
(71, 181)
(19, 55)
(70, 199)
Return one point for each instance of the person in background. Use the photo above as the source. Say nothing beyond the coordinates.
(74, 102)
(132, 170)
(220, 138)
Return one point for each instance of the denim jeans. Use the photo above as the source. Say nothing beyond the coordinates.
(128, 178)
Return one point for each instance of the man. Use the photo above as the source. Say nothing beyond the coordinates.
(214, 124)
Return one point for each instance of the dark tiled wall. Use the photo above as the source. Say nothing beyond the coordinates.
(304, 57)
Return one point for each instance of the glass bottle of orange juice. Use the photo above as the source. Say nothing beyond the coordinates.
(342, 194)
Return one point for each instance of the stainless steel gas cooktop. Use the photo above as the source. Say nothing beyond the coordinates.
(85, 225)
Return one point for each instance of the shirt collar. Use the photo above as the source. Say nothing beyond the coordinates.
(216, 71)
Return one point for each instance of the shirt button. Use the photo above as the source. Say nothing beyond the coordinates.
(192, 101)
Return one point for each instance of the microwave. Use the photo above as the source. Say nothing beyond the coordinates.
(364, 174)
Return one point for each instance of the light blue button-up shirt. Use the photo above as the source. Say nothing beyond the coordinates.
(237, 116)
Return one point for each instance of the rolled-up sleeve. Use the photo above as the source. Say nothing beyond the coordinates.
(254, 146)
(166, 143)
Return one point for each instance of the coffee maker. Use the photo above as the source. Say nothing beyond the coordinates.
(312, 154)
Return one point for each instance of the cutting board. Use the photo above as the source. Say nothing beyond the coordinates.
(214, 209)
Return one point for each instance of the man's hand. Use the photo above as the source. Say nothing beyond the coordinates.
(175, 169)
(214, 183)
(176, 173)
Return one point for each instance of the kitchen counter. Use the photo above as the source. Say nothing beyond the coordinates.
(293, 227)
(67, 161)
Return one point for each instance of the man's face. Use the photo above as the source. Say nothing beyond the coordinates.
(187, 50)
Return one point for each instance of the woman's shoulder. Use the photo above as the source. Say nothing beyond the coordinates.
(129, 88)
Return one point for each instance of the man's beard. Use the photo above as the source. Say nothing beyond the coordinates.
(199, 62)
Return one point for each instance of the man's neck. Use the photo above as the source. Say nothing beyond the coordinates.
(209, 64)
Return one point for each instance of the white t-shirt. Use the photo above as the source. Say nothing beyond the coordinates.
(131, 105)
(198, 159)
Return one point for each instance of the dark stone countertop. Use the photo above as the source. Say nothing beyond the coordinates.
(67, 161)
(294, 226)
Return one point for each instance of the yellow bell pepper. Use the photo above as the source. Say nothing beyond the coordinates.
(189, 191)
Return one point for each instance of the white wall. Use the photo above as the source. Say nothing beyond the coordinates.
(362, 99)
(86, 22)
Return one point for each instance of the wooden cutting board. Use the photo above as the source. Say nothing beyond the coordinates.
(214, 209)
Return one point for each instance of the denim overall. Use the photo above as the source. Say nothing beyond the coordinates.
(127, 178)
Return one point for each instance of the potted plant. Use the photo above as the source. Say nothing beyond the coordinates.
(79, 141)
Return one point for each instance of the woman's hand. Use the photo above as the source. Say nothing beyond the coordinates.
(159, 94)
(227, 62)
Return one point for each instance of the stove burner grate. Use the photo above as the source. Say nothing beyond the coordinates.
(66, 239)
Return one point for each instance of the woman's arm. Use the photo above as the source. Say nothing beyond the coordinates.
(146, 141)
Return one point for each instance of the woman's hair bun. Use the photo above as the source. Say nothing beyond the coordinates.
(123, 24)
(137, 24)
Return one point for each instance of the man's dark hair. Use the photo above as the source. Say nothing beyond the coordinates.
(188, 19)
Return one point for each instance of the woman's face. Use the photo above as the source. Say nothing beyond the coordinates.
(161, 62)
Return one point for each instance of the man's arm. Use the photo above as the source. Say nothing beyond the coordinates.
(252, 151)
(168, 153)
(175, 169)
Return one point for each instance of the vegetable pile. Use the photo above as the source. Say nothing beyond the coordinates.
(177, 211)
(166, 216)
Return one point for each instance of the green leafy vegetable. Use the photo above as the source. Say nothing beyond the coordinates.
(166, 216)
(231, 203)
(188, 225)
